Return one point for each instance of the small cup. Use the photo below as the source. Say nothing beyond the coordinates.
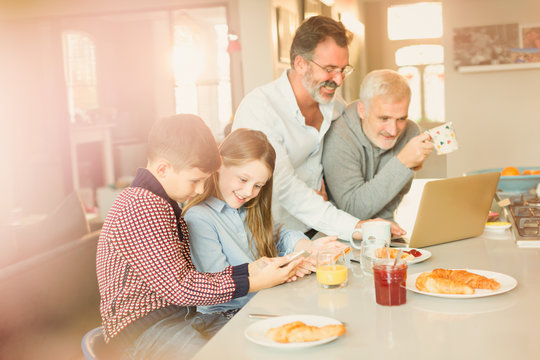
(444, 138)
(369, 249)
(378, 229)
(390, 282)
(331, 269)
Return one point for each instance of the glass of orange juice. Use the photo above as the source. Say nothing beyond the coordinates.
(331, 269)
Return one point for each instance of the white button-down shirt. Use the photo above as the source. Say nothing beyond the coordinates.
(272, 109)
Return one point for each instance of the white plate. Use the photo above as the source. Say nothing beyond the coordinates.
(425, 255)
(256, 332)
(507, 283)
(497, 226)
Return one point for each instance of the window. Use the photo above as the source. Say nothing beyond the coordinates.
(201, 65)
(434, 93)
(80, 73)
(186, 68)
(421, 64)
(420, 55)
(412, 74)
(415, 21)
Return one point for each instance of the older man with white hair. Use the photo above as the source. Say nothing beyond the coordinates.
(372, 151)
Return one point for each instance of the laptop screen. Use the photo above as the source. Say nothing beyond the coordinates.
(439, 211)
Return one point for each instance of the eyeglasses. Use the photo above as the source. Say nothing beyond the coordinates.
(335, 70)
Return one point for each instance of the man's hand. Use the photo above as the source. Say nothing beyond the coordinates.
(322, 192)
(416, 151)
(395, 229)
(327, 243)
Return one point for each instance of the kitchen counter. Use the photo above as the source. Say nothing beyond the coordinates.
(426, 327)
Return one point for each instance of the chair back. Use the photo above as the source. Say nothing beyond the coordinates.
(94, 347)
(67, 222)
(91, 342)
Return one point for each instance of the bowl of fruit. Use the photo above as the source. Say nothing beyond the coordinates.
(515, 179)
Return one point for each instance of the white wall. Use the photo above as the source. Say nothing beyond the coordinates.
(496, 114)
(256, 42)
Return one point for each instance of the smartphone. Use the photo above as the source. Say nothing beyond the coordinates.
(302, 253)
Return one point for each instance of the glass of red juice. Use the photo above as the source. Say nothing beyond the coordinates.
(390, 282)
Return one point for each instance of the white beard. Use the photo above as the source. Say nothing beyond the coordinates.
(314, 89)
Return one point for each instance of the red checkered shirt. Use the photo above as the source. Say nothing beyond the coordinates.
(144, 264)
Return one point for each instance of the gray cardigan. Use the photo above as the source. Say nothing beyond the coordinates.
(362, 179)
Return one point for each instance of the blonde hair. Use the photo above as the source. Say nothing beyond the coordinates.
(240, 147)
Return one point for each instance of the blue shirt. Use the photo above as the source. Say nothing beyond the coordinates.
(219, 238)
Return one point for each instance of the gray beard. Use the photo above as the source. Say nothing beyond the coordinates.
(313, 89)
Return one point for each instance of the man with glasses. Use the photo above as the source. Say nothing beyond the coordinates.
(372, 150)
(295, 112)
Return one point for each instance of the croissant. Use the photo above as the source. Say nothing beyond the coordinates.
(383, 253)
(444, 281)
(473, 280)
(428, 282)
(300, 332)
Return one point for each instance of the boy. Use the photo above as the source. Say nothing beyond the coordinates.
(147, 282)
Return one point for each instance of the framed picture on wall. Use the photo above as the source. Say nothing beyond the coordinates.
(485, 45)
(315, 7)
(286, 23)
(312, 8)
(529, 36)
(529, 42)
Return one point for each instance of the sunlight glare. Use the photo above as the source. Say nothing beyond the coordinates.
(419, 55)
(415, 21)
(188, 55)
(353, 24)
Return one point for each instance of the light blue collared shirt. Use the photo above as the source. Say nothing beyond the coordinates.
(219, 238)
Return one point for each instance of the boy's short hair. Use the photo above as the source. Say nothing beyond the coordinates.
(185, 141)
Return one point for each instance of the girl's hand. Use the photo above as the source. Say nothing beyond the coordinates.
(314, 246)
(267, 272)
(308, 266)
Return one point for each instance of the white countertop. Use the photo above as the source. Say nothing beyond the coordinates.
(426, 327)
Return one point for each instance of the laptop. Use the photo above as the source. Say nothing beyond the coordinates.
(449, 210)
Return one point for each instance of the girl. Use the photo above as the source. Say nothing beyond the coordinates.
(231, 221)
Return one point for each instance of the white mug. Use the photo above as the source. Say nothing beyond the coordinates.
(444, 138)
(378, 229)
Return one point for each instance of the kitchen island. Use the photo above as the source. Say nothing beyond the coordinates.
(426, 327)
